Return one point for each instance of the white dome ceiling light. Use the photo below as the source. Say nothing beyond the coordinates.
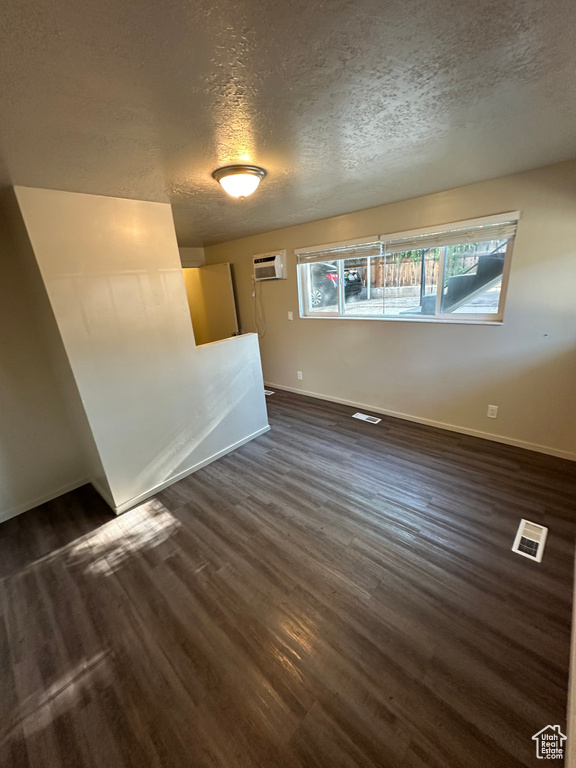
(239, 180)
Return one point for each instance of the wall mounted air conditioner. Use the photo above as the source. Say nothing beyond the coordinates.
(270, 266)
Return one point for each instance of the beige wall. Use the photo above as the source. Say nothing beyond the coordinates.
(439, 373)
(211, 302)
(39, 457)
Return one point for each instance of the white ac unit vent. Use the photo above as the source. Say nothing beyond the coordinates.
(270, 266)
(365, 417)
(530, 540)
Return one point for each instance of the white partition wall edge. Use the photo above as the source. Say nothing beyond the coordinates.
(159, 407)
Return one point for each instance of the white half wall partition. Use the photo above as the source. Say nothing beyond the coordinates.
(159, 407)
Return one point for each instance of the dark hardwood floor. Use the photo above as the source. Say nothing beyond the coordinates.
(332, 594)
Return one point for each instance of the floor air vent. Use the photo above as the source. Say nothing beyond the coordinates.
(268, 392)
(530, 540)
(365, 417)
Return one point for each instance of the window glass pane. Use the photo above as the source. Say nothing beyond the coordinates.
(364, 286)
(410, 289)
(364, 282)
(321, 286)
(473, 277)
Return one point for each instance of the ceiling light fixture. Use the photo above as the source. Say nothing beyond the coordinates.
(239, 180)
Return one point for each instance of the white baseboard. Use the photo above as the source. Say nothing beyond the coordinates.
(431, 423)
(27, 505)
(125, 506)
(570, 752)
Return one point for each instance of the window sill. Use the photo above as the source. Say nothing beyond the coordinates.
(437, 320)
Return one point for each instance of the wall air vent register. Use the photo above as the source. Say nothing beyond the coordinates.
(366, 417)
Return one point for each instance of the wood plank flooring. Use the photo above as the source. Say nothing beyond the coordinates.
(333, 594)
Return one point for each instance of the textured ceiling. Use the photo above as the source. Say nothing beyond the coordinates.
(347, 104)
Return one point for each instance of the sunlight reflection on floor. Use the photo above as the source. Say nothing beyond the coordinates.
(143, 527)
(40, 709)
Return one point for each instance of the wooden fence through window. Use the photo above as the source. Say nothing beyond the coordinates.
(407, 272)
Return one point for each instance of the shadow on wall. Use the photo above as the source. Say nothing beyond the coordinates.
(223, 401)
(38, 453)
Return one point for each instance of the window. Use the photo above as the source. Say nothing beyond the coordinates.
(456, 274)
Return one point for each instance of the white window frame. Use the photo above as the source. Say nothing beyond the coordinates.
(438, 317)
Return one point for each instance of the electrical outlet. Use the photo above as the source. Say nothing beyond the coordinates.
(298, 374)
(492, 412)
(290, 315)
